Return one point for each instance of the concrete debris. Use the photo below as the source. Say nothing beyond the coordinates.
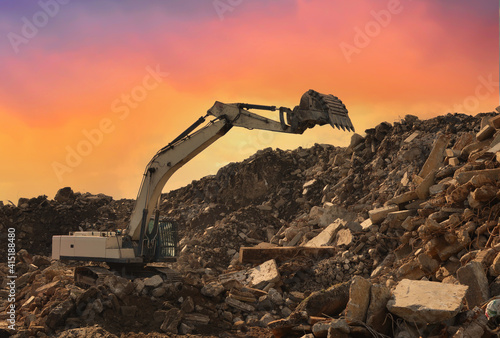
(359, 299)
(398, 233)
(264, 274)
(426, 302)
(474, 276)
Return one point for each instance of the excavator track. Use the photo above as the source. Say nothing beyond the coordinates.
(337, 112)
(88, 276)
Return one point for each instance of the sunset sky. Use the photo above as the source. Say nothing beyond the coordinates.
(126, 77)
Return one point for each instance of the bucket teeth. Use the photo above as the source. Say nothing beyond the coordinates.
(334, 108)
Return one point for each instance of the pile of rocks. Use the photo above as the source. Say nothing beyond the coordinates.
(403, 226)
(68, 211)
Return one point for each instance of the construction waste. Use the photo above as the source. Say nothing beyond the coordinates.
(396, 235)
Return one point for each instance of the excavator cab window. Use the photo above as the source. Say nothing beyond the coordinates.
(167, 240)
(160, 242)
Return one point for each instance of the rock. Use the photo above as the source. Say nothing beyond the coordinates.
(485, 133)
(378, 215)
(158, 292)
(453, 161)
(266, 319)
(359, 298)
(473, 275)
(153, 281)
(426, 302)
(427, 263)
(296, 239)
(436, 156)
(212, 289)
(41, 261)
(196, 319)
(410, 270)
(172, 319)
(327, 302)
(495, 122)
(264, 274)
(355, 140)
(325, 236)
(344, 237)
(464, 177)
(411, 137)
(59, 313)
(239, 305)
(65, 195)
(120, 286)
(424, 186)
(377, 310)
(139, 285)
(475, 327)
(275, 296)
(484, 193)
(322, 329)
(185, 329)
(403, 198)
(494, 269)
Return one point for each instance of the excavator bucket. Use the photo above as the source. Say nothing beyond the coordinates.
(319, 109)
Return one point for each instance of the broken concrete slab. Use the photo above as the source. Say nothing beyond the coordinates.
(377, 310)
(379, 214)
(436, 156)
(485, 133)
(359, 298)
(423, 187)
(403, 198)
(411, 137)
(264, 274)
(464, 177)
(325, 236)
(426, 302)
(474, 276)
(470, 148)
(495, 121)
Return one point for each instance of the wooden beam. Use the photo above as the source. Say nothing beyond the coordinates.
(259, 255)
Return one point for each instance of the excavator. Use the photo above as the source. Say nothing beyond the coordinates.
(151, 238)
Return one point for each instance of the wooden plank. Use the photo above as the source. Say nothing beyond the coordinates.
(259, 255)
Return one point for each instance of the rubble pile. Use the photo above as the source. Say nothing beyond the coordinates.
(395, 235)
(68, 211)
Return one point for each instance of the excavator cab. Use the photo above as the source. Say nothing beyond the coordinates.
(160, 240)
